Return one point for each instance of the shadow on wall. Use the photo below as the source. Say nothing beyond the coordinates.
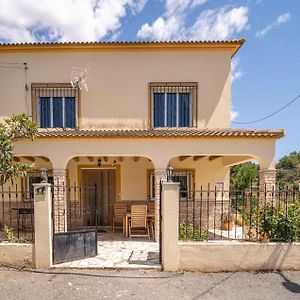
(277, 257)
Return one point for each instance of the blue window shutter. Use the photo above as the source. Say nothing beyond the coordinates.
(158, 109)
(184, 109)
(57, 112)
(45, 112)
(70, 112)
(171, 109)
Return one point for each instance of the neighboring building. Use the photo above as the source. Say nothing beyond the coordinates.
(148, 105)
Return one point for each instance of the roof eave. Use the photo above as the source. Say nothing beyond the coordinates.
(161, 134)
(233, 46)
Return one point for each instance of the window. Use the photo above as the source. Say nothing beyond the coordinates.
(185, 178)
(30, 179)
(173, 104)
(55, 105)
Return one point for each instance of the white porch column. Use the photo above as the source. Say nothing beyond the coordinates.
(159, 175)
(60, 200)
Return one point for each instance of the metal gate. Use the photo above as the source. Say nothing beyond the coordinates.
(74, 218)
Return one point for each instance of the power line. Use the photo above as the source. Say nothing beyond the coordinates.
(11, 63)
(270, 115)
(11, 67)
(20, 66)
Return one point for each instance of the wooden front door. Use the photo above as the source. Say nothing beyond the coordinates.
(105, 180)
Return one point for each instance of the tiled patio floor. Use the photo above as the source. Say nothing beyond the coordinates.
(115, 251)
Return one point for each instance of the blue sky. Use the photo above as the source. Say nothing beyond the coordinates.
(266, 69)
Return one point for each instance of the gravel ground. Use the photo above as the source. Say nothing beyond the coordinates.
(147, 284)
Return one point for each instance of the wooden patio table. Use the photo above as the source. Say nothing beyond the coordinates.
(126, 218)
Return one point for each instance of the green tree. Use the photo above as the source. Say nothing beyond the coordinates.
(288, 170)
(242, 175)
(11, 130)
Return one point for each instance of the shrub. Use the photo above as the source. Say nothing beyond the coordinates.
(187, 232)
(280, 223)
(275, 222)
(9, 233)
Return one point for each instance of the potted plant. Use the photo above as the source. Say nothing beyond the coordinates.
(227, 221)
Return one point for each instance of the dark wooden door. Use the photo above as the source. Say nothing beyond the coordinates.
(105, 181)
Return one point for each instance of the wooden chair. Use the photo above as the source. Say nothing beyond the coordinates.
(138, 221)
(118, 217)
(151, 206)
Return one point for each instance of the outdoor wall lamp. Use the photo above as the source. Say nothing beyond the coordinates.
(169, 171)
(99, 162)
(43, 174)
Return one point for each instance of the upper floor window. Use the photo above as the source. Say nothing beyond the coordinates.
(55, 105)
(173, 104)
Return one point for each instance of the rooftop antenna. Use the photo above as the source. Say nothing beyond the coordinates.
(79, 76)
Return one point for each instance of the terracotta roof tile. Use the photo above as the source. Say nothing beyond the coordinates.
(232, 45)
(160, 133)
(170, 42)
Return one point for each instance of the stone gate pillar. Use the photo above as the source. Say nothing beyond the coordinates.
(159, 175)
(170, 210)
(60, 200)
(42, 247)
(267, 184)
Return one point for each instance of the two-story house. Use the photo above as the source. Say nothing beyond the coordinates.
(148, 105)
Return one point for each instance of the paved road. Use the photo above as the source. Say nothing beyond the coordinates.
(111, 284)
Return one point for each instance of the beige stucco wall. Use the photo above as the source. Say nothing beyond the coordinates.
(15, 254)
(133, 174)
(118, 83)
(237, 256)
(160, 151)
(205, 171)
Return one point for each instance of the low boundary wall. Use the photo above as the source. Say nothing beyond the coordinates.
(15, 254)
(238, 256)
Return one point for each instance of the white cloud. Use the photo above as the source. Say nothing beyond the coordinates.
(283, 18)
(233, 114)
(63, 20)
(220, 23)
(161, 29)
(279, 21)
(197, 2)
(235, 72)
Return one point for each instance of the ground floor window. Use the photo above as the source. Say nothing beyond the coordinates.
(185, 178)
(30, 179)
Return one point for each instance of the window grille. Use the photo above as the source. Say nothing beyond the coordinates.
(173, 105)
(184, 178)
(55, 106)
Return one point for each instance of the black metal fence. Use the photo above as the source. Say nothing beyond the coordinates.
(74, 207)
(252, 215)
(16, 215)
